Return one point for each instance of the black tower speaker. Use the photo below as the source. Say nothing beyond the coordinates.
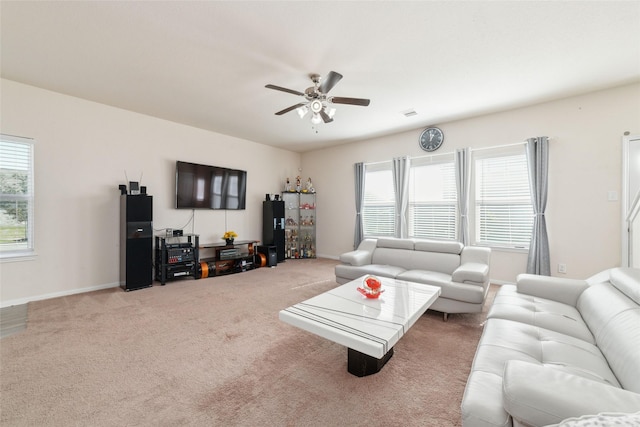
(273, 226)
(270, 253)
(136, 241)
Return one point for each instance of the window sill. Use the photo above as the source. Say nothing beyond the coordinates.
(521, 250)
(18, 256)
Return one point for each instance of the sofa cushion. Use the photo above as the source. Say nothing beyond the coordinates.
(566, 291)
(613, 318)
(449, 247)
(431, 261)
(620, 343)
(388, 256)
(514, 340)
(511, 305)
(393, 243)
(451, 290)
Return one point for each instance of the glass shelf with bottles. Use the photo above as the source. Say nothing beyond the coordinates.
(300, 225)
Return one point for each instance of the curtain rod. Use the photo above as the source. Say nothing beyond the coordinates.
(449, 153)
(514, 144)
(7, 135)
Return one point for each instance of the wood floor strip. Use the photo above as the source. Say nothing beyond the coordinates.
(13, 320)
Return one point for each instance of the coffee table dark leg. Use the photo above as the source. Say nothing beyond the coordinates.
(361, 365)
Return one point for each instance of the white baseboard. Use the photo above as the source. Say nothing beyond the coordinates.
(20, 301)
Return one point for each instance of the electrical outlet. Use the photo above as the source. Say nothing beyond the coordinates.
(562, 268)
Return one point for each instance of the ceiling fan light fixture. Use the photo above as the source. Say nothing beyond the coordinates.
(302, 111)
(330, 112)
(316, 119)
(316, 106)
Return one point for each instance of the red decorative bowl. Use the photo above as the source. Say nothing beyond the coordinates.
(370, 294)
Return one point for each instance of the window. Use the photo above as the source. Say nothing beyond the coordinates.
(503, 211)
(500, 210)
(16, 196)
(433, 198)
(378, 209)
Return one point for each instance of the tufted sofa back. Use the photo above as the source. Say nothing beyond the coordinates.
(415, 254)
(611, 309)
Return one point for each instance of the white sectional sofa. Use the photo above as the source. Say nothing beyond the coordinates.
(462, 272)
(556, 348)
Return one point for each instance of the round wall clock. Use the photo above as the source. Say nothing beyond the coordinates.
(431, 139)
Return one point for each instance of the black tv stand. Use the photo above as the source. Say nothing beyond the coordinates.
(228, 259)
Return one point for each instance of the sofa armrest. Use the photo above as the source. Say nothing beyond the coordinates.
(471, 272)
(362, 255)
(479, 254)
(540, 395)
(356, 258)
(558, 289)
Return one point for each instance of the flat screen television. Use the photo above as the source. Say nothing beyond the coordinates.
(209, 187)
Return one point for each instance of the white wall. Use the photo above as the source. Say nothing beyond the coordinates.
(82, 152)
(83, 149)
(585, 164)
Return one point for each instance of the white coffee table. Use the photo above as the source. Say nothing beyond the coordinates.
(368, 327)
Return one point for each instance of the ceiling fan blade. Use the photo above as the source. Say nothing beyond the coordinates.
(284, 89)
(351, 101)
(330, 81)
(293, 107)
(325, 116)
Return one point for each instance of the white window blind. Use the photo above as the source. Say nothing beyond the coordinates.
(16, 196)
(433, 198)
(503, 211)
(378, 209)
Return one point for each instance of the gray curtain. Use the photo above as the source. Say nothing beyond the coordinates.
(538, 165)
(359, 181)
(401, 187)
(463, 182)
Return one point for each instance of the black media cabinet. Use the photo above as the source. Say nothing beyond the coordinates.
(176, 257)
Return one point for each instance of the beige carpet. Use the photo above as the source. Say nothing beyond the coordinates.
(212, 352)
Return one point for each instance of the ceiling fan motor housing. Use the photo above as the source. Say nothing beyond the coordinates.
(312, 93)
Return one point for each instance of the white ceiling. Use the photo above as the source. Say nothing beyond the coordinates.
(206, 63)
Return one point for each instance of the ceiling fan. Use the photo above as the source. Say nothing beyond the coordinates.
(317, 100)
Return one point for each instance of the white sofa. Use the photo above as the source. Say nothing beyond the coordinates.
(556, 348)
(462, 272)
